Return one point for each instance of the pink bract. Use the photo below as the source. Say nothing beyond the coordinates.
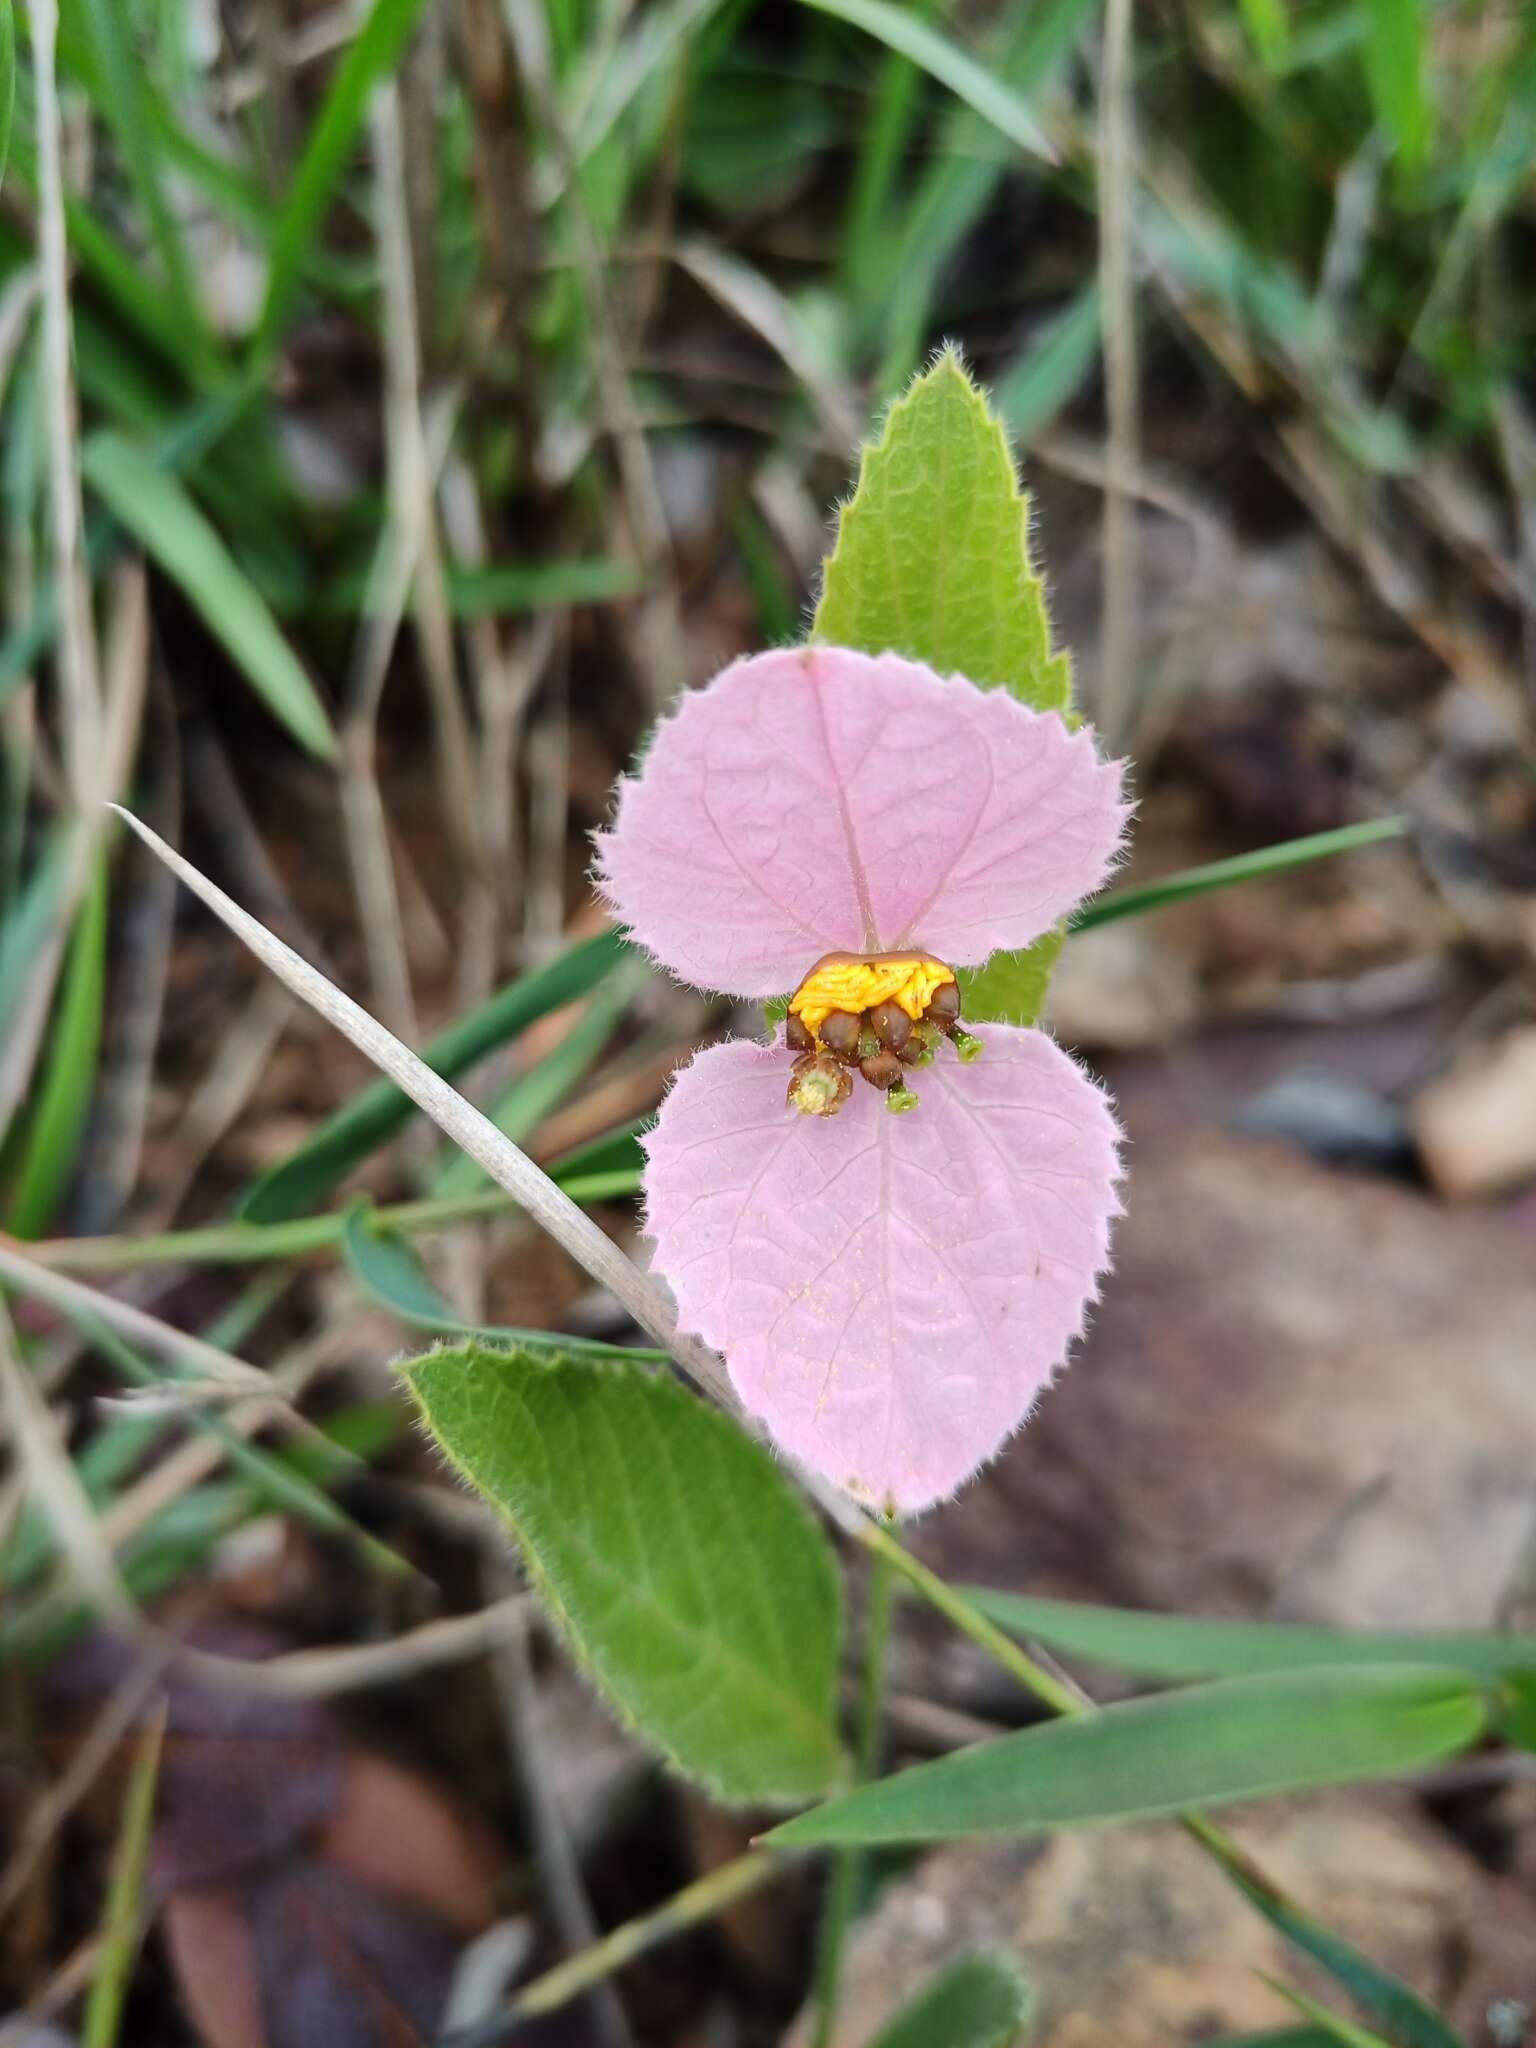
(813, 799)
(890, 1293)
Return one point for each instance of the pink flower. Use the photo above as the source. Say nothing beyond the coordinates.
(890, 1293)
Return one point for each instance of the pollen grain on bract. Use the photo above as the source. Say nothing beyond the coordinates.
(881, 1014)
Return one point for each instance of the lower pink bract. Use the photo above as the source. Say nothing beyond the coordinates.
(890, 1294)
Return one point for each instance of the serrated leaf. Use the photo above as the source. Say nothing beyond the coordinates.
(686, 1573)
(932, 554)
(979, 2001)
(932, 561)
(1240, 1738)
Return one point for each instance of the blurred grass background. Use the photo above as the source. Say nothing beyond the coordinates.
(398, 402)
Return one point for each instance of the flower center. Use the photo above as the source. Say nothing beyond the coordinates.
(879, 1014)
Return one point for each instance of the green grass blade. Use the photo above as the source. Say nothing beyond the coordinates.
(155, 508)
(1403, 2016)
(123, 1922)
(64, 1099)
(1395, 70)
(28, 921)
(1243, 867)
(1269, 30)
(374, 53)
(374, 1115)
(122, 94)
(1281, 2037)
(1185, 1646)
(551, 1080)
(1209, 1745)
(1331, 2025)
(953, 193)
(135, 295)
(501, 589)
(7, 81)
(881, 156)
(1051, 372)
(903, 30)
(386, 1266)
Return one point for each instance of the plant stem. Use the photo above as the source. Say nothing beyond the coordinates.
(251, 1243)
(123, 1921)
(1059, 1698)
(845, 1879)
(695, 1902)
(971, 1621)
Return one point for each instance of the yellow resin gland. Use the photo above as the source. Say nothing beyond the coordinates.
(856, 982)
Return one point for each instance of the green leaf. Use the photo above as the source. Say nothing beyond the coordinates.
(375, 1113)
(982, 91)
(1394, 69)
(64, 1098)
(1269, 30)
(1240, 1738)
(671, 1549)
(7, 80)
(617, 1151)
(978, 2001)
(1010, 988)
(932, 555)
(156, 510)
(1189, 1646)
(932, 561)
(373, 53)
(1283, 2037)
(1406, 2019)
(1515, 1715)
(386, 1265)
(1331, 2025)
(1242, 867)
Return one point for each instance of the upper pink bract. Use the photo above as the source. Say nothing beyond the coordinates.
(812, 799)
(890, 1293)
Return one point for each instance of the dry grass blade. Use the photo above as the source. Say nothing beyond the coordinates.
(323, 1673)
(19, 1272)
(411, 480)
(55, 1486)
(469, 1129)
